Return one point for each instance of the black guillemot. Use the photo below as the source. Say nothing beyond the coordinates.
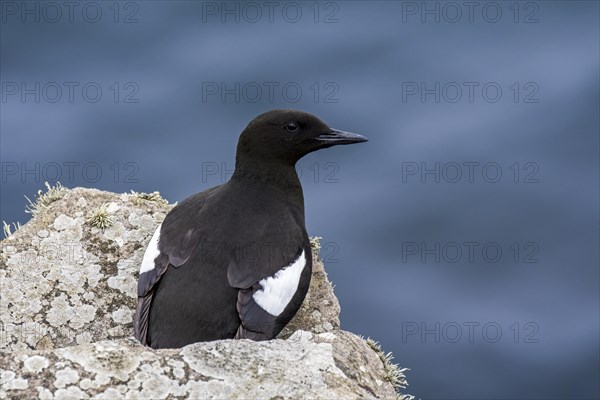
(234, 261)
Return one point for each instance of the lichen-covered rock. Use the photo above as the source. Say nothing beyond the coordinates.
(306, 365)
(64, 281)
(67, 299)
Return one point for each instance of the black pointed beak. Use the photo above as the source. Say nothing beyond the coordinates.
(334, 137)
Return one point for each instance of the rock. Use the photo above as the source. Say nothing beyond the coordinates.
(306, 365)
(67, 298)
(66, 282)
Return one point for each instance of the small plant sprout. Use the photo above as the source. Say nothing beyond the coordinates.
(8, 230)
(100, 217)
(43, 200)
(393, 373)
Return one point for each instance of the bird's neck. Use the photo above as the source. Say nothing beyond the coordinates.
(276, 176)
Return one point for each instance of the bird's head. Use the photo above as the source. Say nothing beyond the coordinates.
(285, 136)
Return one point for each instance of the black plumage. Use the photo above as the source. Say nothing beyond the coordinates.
(234, 261)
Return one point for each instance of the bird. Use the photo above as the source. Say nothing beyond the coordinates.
(234, 261)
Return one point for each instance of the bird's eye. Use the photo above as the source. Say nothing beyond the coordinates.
(291, 127)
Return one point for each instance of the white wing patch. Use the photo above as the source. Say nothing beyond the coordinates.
(278, 290)
(151, 252)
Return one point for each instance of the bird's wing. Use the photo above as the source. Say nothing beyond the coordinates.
(270, 301)
(171, 244)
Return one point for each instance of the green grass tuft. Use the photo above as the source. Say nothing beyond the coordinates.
(6, 228)
(315, 243)
(154, 196)
(393, 373)
(43, 200)
(100, 217)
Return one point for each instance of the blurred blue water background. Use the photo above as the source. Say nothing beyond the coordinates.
(464, 236)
